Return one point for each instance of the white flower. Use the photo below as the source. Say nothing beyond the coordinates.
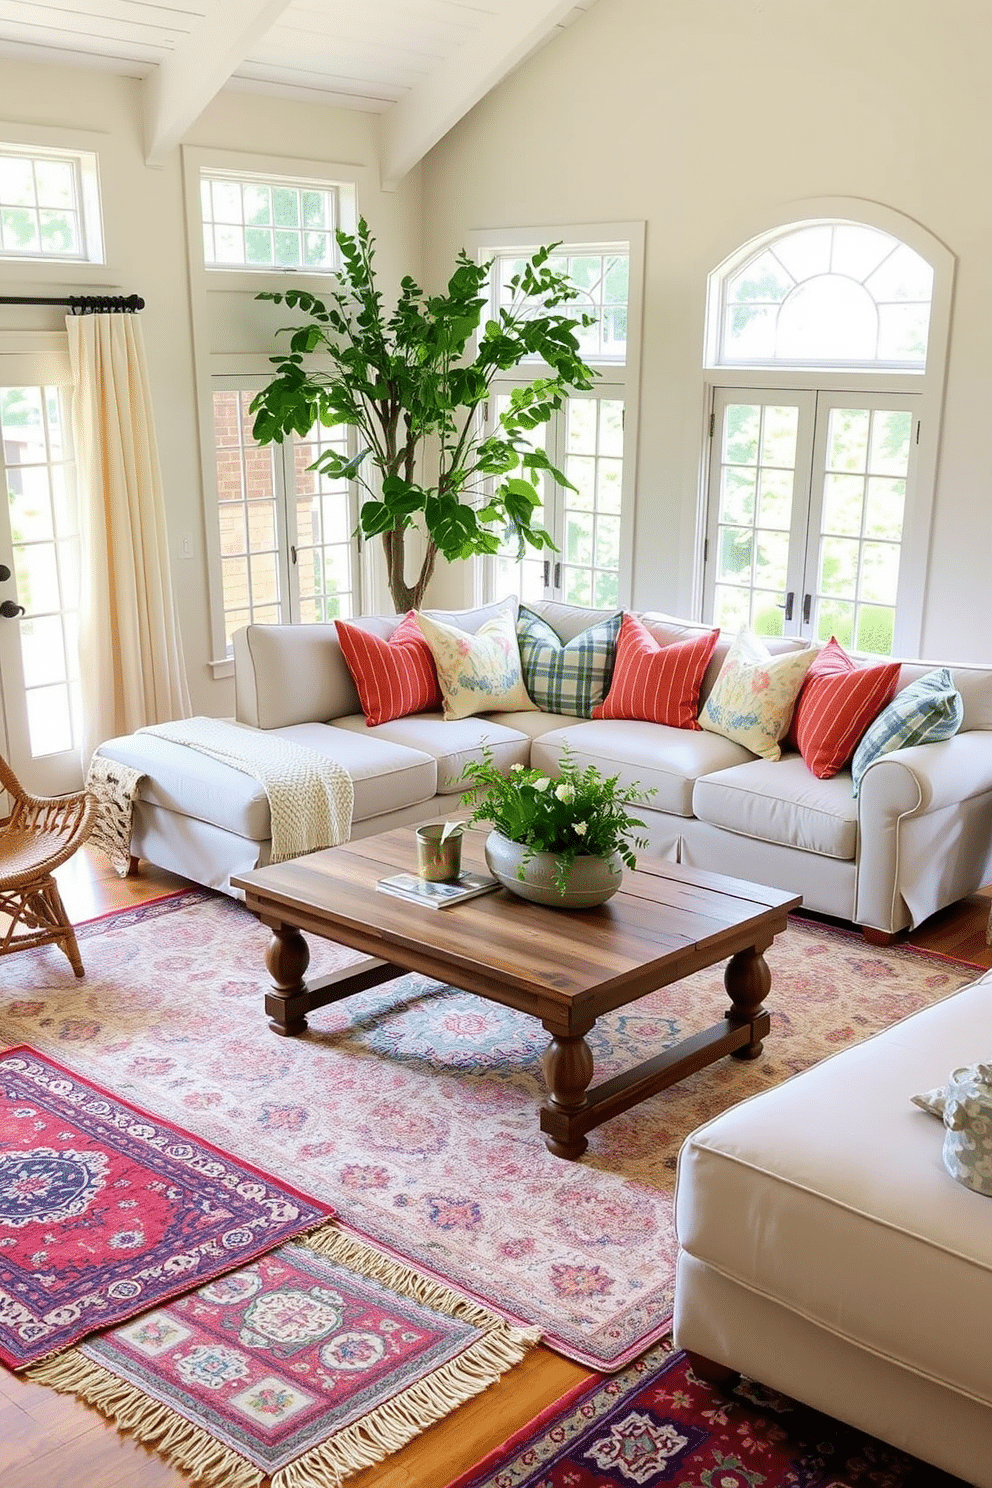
(565, 792)
(581, 828)
(515, 768)
(542, 784)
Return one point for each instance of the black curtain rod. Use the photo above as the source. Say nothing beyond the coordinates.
(82, 304)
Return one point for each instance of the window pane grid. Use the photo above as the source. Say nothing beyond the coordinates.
(867, 463)
(40, 211)
(601, 280)
(254, 224)
(39, 477)
(247, 518)
(757, 478)
(325, 521)
(831, 294)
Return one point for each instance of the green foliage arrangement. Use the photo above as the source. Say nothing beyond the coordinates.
(412, 382)
(581, 813)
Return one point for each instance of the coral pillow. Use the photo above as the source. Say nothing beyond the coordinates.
(657, 683)
(837, 703)
(393, 677)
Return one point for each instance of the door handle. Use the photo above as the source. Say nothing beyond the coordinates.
(807, 606)
(9, 610)
(4, 573)
(547, 572)
(557, 575)
(787, 607)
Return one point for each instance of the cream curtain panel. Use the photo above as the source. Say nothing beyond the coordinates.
(130, 649)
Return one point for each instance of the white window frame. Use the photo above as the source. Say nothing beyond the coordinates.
(282, 463)
(615, 379)
(233, 336)
(928, 385)
(341, 193)
(86, 175)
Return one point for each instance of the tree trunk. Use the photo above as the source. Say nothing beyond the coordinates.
(403, 595)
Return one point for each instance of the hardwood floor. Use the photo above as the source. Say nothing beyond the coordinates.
(47, 1438)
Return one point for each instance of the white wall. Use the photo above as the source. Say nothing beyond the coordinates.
(145, 236)
(707, 120)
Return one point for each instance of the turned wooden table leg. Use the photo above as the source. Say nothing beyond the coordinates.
(747, 980)
(287, 959)
(567, 1066)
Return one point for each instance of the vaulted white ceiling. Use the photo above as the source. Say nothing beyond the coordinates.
(420, 64)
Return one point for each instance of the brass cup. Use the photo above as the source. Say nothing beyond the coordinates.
(440, 862)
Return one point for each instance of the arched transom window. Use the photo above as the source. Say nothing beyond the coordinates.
(828, 294)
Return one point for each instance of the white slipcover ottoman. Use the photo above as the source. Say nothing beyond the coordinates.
(826, 1251)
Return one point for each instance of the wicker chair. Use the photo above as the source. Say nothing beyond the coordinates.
(42, 832)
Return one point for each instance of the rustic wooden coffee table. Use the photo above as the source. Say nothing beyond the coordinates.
(564, 967)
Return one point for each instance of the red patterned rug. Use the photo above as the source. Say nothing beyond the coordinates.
(313, 1362)
(106, 1211)
(657, 1424)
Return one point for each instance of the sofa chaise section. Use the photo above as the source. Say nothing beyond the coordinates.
(825, 1250)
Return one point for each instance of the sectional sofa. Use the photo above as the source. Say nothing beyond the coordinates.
(916, 838)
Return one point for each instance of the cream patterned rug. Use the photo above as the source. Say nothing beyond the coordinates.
(412, 1109)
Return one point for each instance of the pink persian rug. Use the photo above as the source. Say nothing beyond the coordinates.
(106, 1210)
(412, 1108)
(311, 1363)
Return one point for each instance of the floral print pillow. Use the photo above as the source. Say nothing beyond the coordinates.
(755, 693)
(480, 672)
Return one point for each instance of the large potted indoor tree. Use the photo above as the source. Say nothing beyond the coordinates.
(411, 381)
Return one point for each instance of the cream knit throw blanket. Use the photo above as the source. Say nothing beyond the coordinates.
(311, 797)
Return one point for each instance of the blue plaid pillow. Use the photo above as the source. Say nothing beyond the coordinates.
(927, 710)
(570, 677)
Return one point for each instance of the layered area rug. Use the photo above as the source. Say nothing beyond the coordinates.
(106, 1210)
(412, 1109)
(657, 1424)
(311, 1363)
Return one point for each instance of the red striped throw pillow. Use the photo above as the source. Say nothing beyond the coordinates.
(837, 703)
(394, 677)
(657, 683)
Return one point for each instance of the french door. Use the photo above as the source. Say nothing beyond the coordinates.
(39, 591)
(806, 515)
(584, 440)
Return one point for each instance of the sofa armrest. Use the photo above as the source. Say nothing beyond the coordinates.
(927, 777)
(939, 796)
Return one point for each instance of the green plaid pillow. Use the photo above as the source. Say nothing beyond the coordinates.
(929, 709)
(570, 677)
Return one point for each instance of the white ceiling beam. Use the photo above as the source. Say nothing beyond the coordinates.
(424, 115)
(179, 89)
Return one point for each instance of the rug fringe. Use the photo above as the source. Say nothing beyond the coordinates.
(180, 1442)
(359, 1255)
(396, 1422)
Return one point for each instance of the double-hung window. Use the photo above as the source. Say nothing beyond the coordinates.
(826, 351)
(284, 532)
(590, 438)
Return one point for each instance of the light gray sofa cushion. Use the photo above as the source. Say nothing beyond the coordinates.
(452, 742)
(386, 776)
(781, 801)
(654, 755)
